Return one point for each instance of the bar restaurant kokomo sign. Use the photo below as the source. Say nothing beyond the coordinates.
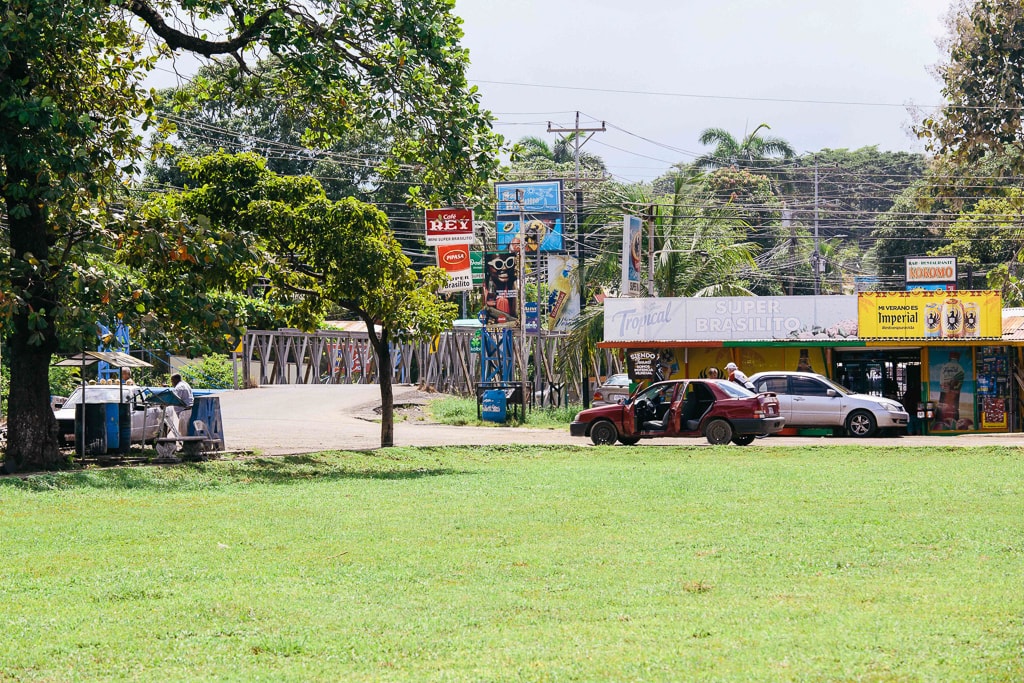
(930, 314)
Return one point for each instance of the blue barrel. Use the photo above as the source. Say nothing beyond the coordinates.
(112, 425)
(494, 406)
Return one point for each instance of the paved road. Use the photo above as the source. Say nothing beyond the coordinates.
(286, 419)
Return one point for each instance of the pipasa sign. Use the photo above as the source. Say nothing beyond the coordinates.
(454, 260)
(449, 226)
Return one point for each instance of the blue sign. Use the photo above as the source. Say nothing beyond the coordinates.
(543, 196)
(545, 231)
(494, 405)
(532, 323)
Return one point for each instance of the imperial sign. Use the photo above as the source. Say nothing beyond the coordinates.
(449, 226)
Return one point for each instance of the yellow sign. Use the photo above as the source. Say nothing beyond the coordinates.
(930, 314)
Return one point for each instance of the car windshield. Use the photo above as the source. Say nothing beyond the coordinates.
(617, 381)
(104, 394)
(734, 390)
(833, 385)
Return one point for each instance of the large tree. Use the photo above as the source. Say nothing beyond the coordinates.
(252, 222)
(984, 111)
(69, 91)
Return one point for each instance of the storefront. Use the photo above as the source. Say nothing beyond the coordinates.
(944, 355)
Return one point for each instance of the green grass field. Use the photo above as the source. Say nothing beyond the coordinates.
(519, 563)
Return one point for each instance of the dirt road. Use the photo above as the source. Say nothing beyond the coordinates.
(284, 419)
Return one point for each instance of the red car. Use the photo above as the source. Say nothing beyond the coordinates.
(718, 410)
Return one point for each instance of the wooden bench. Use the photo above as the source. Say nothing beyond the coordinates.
(192, 447)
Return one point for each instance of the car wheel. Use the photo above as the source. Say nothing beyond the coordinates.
(743, 439)
(718, 432)
(629, 440)
(861, 424)
(603, 433)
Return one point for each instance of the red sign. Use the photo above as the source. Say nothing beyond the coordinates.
(454, 259)
(449, 226)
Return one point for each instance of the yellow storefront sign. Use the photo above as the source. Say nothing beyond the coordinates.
(930, 314)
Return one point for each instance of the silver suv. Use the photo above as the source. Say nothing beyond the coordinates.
(808, 399)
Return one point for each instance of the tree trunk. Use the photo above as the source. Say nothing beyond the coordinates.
(387, 397)
(31, 426)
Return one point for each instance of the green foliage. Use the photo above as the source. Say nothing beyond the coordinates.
(212, 371)
(984, 111)
(754, 151)
(64, 380)
(765, 563)
(70, 97)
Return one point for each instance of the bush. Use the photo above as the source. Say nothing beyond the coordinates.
(64, 380)
(209, 372)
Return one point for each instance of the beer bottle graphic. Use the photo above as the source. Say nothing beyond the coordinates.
(951, 379)
(952, 318)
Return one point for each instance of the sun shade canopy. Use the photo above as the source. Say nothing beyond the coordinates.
(113, 358)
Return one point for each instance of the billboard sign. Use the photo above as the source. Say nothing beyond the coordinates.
(454, 260)
(653, 319)
(930, 314)
(501, 287)
(631, 258)
(476, 266)
(449, 226)
(542, 232)
(543, 196)
(930, 270)
(563, 296)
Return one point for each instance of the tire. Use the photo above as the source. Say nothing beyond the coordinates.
(743, 439)
(718, 432)
(629, 440)
(861, 424)
(603, 433)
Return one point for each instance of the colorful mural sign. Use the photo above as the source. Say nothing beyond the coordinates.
(929, 314)
(951, 388)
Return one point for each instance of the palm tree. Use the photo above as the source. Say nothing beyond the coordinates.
(697, 250)
(532, 149)
(754, 151)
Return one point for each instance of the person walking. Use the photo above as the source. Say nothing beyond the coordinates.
(738, 376)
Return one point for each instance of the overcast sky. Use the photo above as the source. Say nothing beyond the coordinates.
(821, 73)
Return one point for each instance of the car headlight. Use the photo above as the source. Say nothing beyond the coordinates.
(893, 407)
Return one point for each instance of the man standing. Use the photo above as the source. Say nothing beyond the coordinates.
(737, 375)
(184, 393)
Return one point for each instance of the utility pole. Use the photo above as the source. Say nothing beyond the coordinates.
(581, 254)
(816, 259)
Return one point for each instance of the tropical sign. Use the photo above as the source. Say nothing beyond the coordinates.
(653, 319)
(930, 314)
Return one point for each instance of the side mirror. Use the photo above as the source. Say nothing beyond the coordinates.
(831, 393)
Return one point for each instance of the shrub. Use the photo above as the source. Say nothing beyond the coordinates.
(209, 372)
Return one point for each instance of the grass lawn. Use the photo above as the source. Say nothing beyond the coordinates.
(522, 563)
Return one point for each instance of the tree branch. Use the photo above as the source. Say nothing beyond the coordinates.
(178, 40)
